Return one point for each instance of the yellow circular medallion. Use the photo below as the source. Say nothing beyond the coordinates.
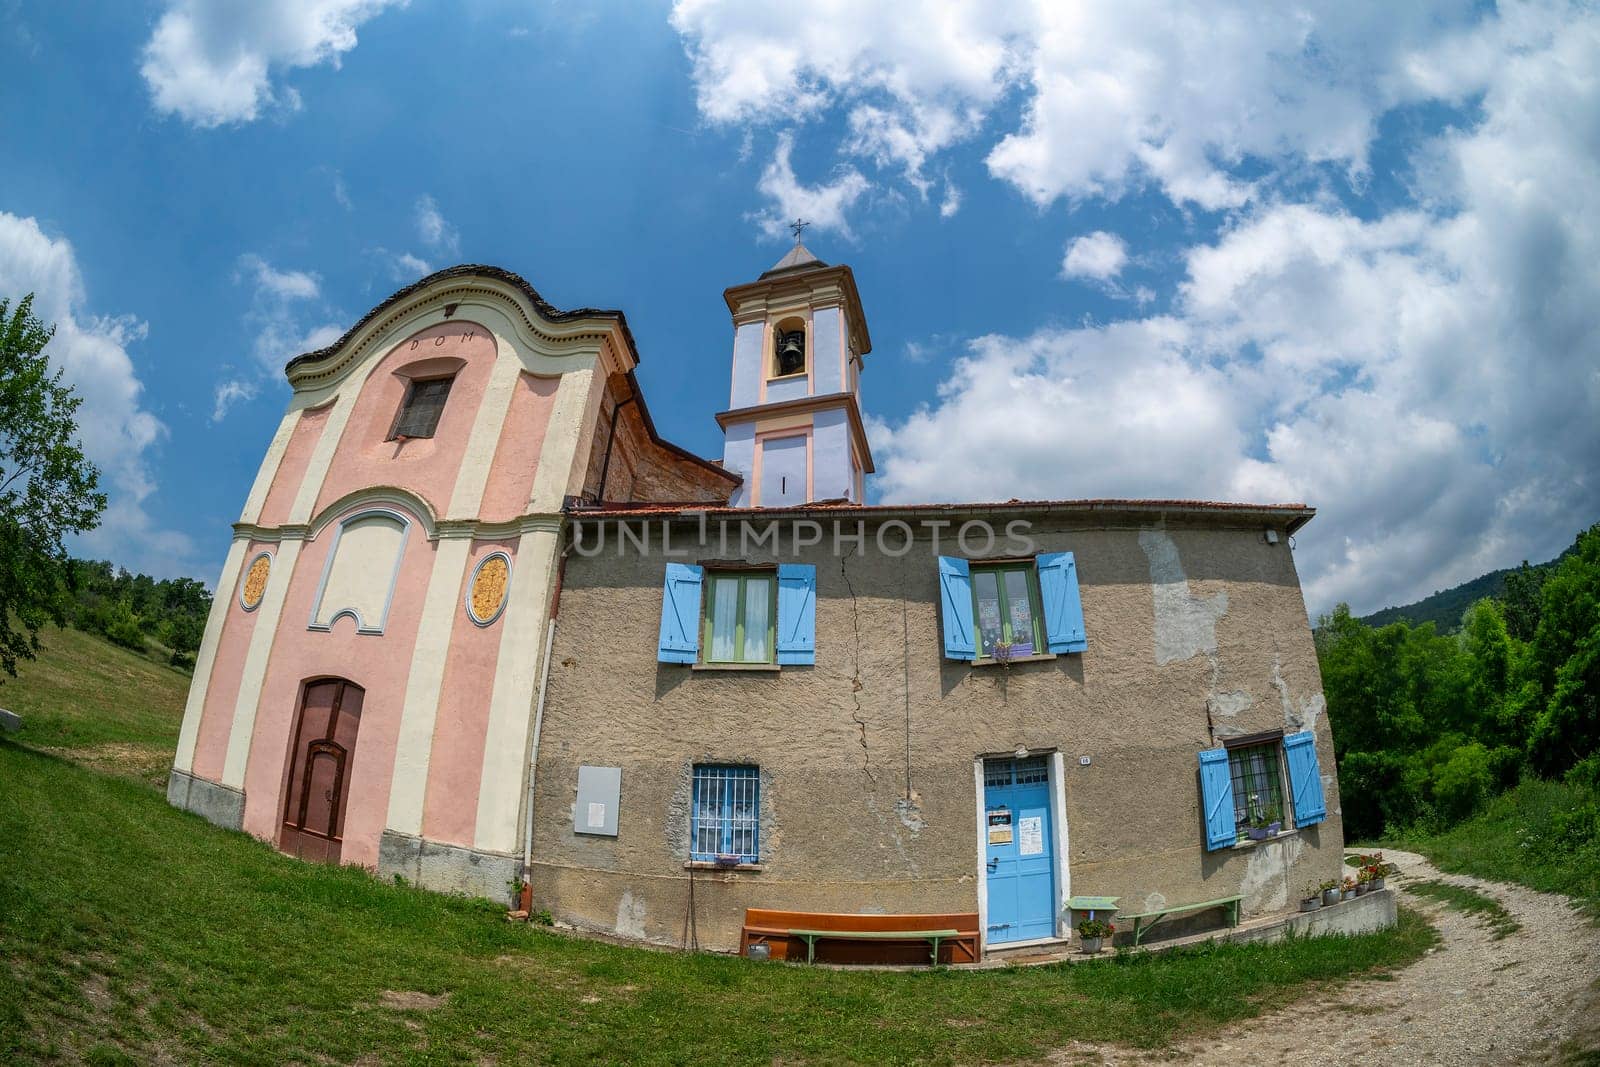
(255, 582)
(489, 582)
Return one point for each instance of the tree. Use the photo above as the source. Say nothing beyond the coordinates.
(48, 490)
(1523, 596)
(1566, 660)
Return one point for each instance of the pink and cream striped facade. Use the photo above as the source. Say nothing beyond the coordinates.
(371, 549)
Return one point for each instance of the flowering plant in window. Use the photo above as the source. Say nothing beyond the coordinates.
(1002, 653)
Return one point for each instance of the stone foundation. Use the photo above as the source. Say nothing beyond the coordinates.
(447, 868)
(219, 804)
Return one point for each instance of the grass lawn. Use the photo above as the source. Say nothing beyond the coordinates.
(103, 705)
(131, 930)
(1544, 835)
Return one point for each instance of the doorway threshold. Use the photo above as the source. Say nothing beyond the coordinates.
(1008, 947)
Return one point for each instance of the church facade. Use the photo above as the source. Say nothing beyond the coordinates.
(479, 626)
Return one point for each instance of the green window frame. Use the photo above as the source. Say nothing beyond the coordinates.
(1258, 792)
(1012, 589)
(752, 599)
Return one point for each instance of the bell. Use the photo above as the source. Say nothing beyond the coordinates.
(791, 352)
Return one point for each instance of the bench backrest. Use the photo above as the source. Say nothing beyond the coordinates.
(767, 918)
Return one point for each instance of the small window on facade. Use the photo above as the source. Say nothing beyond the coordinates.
(789, 342)
(740, 617)
(1257, 774)
(420, 411)
(727, 812)
(1005, 608)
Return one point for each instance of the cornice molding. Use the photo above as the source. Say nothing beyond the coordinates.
(804, 404)
(444, 530)
(443, 292)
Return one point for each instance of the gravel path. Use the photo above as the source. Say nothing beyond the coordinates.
(1471, 1000)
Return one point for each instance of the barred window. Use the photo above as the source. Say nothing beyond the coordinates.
(725, 820)
(1257, 772)
(420, 411)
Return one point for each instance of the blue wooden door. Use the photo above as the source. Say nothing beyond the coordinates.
(1020, 850)
(783, 472)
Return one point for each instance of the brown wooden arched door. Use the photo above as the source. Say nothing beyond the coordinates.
(319, 769)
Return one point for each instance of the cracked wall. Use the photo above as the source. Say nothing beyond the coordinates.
(1194, 631)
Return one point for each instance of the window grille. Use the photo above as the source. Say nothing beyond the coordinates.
(1257, 774)
(727, 813)
(424, 403)
(1016, 771)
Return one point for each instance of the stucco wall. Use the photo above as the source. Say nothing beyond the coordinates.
(868, 794)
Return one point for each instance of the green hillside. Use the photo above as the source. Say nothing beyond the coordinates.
(99, 704)
(1445, 608)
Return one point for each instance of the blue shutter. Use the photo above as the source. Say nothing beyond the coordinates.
(1305, 779)
(955, 604)
(797, 613)
(1216, 797)
(1063, 611)
(680, 614)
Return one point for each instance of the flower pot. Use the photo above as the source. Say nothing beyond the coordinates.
(1347, 894)
(1258, 833)
(1363, 889)
(1273, 828)
(1091, 945)
(1330, 897)
(1310, 903)
(1377, 883)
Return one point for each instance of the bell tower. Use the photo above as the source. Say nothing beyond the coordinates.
(793, 426)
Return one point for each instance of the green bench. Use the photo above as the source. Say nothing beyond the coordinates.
(933, 937)
(1142, 927)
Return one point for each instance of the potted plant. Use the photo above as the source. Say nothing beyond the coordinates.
(1374, 874)
(1312, 900)
(1330, 892)
(1347, 889)
(1379, 869)
(1363, 881)
(1094, 932)
(1274, 821)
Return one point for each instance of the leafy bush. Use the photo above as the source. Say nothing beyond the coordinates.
(1428, 727)
(122, 627)
(1462, 783)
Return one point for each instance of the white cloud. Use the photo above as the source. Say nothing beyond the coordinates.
(284, 284)
(229, 393)
(824, 206)
(1425, 376)
(213, 62)
(118, 434)
(1098, 256)
(285, 306)
(1115, 94)
(434, 230)
(952, 199)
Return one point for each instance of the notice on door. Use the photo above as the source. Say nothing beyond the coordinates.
(1030, 840)
(597, 815)
(1000, 827)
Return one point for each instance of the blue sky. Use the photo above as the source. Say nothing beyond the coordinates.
(1320, 253)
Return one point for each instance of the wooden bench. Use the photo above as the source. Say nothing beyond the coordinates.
(932, 937)
(1141, 927)
(950, 938)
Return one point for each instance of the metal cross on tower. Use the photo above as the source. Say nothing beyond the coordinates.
(797, 226)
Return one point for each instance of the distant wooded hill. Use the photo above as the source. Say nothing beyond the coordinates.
(1444, 609)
